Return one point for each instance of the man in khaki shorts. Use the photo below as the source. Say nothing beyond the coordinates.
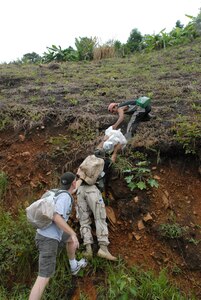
(56, 234)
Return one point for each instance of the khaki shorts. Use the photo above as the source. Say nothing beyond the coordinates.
(48, 249)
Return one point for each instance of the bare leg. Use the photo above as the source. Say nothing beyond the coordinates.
(38, 288)
(71, 248)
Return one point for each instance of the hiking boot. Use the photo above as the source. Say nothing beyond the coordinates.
(88, 253)
(82, 263)
(106, 255)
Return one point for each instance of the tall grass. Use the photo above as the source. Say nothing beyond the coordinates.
(103, 52)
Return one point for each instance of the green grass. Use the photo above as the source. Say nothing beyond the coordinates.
(3, 184)
(18, 257)
(172, 230)
(125, 283)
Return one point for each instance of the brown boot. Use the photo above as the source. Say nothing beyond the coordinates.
(88, 252)
(104, 253)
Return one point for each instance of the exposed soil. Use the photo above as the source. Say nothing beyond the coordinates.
(177, 199)
(35, 153)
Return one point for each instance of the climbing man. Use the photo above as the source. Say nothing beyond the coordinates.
(138, 109)
(90, 202)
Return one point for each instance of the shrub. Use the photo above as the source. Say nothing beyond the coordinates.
(85, 47)
(17, 249)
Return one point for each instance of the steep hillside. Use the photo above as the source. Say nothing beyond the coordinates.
(53, 116)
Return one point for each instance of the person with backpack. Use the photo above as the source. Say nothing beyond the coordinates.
(138, 109)
(57, 234)
(90, 202)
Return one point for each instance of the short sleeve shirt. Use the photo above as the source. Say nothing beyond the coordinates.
(63, 207)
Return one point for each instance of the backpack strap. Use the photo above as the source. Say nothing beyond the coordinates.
(58, 192)
(127, 102)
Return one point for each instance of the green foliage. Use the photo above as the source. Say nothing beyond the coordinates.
(85, 47)
(18, 256)
(31, 58)
(140, 177)
(5, 120)
(59, 140)
(188, 133)
(197, 21)
(17, 249)
(172, 230)
(19, 259)
(176, 36)
(133, 166)
(3, 184)
(134, 40)
(57, 54)
(121, 50)
(178, 24)
(156, 41)
(73, 101)
(60, 144)
(133, 283)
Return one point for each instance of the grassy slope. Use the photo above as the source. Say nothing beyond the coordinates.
(32, 95)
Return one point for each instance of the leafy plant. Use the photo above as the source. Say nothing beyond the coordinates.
(172, 230)
(140, 177)
(57, 54)
(85, 47)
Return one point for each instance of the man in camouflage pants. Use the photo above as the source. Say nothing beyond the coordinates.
(90, 201)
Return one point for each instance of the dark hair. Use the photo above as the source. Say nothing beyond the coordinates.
(99, 153)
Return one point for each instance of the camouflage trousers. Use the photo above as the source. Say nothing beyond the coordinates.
(90, 205)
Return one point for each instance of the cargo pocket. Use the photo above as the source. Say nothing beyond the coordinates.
(100, 209)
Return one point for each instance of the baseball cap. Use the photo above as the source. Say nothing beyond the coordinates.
(67, 179)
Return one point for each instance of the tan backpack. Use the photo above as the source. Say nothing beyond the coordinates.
(90, 169)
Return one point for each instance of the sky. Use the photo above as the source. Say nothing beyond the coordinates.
(28, 26)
